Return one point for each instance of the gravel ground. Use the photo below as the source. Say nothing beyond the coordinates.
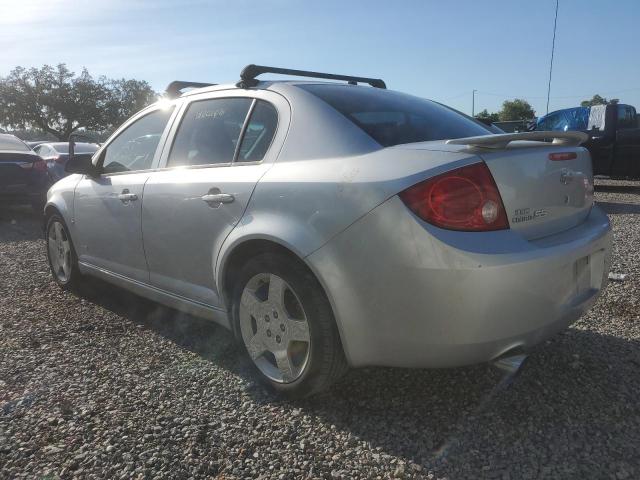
(111, 386)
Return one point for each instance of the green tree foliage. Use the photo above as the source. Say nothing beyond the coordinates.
(598, 100)
(516, 109)
(490, 117)
(56, 101)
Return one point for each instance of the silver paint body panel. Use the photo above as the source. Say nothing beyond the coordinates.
(404, 293)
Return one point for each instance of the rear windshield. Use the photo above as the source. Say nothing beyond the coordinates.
(392, 118)
(9, 142)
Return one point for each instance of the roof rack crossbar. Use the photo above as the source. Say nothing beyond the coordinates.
(174, 89)
(250, 72)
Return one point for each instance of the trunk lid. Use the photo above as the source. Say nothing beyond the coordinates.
(15, 167)
(541, 196)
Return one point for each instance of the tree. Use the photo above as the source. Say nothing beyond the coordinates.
(491, 117)
(516, 109)
(598, 100)
(58, 102)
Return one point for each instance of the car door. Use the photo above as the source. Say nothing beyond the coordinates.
(107, 208)
(221, 148)
(627, 145)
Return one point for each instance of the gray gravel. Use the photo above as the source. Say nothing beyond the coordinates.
(111, 386)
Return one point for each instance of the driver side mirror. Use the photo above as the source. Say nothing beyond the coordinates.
(81, 165)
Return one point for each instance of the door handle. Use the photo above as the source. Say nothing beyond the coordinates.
(126, 196)
(217, 198)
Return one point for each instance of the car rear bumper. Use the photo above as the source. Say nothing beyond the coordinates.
(33, 189)
(22, 196)
(408, 294)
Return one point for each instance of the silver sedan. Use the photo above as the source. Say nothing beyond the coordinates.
(334, 224)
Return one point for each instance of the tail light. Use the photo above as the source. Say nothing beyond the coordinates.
(58, 159)
(40, 165)
(466, 199)
(560, 156)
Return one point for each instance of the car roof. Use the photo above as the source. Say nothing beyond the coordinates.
(266, 85)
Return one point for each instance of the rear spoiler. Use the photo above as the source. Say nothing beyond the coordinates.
(569, 139)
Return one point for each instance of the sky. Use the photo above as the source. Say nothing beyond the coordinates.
(442, 50)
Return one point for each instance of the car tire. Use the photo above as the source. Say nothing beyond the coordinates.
(280, 310)
(61, 254)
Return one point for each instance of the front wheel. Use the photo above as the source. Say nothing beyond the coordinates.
(287, 326)
(61, 254)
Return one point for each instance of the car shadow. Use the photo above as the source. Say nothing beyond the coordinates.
(441, 418)
(617, 188)
(616, 208)
(18, 223)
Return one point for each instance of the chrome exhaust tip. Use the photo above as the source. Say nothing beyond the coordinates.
(510, 363)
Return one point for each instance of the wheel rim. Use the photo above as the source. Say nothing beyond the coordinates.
(274, 328)
(59, 251)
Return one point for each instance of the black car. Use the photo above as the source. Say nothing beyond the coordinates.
(24, 177)
(56, 155)
(614, 136)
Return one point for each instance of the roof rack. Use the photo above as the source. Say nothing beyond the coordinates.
(250, 72)
(174, 89)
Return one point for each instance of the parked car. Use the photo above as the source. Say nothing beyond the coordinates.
(56, 155)
(23, 174)
(614, 136)
(332, 225)
(33, 144)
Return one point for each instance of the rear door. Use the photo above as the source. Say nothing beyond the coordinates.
(107, 209)
(221, 148)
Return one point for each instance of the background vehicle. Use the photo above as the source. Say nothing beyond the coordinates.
(56, 155)
(23, 174)
(614, 136)
(34, 144)
(330, 224)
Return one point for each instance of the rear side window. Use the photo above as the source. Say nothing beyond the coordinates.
(626, 116)
(9, 142)
(260, 131)
(393, 118)
(209, 132)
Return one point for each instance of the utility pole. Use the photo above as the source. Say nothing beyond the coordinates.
(553, 47)
(473, 103)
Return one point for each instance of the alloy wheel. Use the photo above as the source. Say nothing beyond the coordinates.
(274, 328)
(59, 252)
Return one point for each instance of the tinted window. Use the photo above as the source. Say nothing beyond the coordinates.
(392, 118)
(135, 147)
(626, 117)
(209, 132)
(9, 142)
(260, 131)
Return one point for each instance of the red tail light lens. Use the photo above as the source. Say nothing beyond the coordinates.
(58, 159)
(464, 199)
(40, 165)
(563, 156)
